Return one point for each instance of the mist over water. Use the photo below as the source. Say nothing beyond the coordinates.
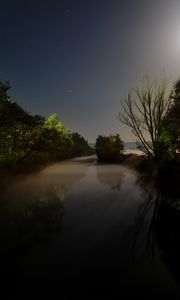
(129, 147)
(75, 223)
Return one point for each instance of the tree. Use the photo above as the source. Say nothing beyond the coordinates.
(32, 139)
(10, 111)
(55, 140)
(144, 111)
(17, 127)
(80, 145)
(109, 148)
(53, 122)
(172, 121)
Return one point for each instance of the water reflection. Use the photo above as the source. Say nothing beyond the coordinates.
(90, 257)
(22, 223)
(111, 176)
(158, 221)
(33, 208)
(166, 234)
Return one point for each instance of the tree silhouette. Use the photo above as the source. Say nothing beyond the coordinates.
(144, 110)
(172, 121)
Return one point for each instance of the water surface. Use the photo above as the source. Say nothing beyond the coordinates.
(75, 229)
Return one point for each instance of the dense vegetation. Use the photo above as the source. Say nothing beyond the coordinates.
(33, 140)
(171, 124)
(109, 148)
(153, 115)
(154, 118)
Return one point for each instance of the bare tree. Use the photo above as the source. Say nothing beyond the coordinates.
(144, 110)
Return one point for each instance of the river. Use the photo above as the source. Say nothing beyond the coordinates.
(75, 230)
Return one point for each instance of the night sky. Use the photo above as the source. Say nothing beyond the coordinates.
(78, 58)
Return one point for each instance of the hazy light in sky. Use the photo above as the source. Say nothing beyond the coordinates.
(78, 59)
(174, 38)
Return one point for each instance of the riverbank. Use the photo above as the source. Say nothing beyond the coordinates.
(132, 160)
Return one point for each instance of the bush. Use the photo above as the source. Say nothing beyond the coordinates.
(109, 148)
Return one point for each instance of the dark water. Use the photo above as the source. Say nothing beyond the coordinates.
(82, 230)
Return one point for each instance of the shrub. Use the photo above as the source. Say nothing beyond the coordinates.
(109, 148)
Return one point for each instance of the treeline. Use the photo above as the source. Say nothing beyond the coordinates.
(33, 140)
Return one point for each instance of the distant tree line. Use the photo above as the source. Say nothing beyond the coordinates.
(33, 139)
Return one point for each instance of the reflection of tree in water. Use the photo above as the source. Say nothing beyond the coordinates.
(111, 176)
(166, 234)
(161, 210)
(23, 223)
(32, 209)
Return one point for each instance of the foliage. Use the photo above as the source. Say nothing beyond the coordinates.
(109, 148)
(17, 127)
(32, 139)
(53, 122)
(80, 145)
(172, 121)
(10, 112)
